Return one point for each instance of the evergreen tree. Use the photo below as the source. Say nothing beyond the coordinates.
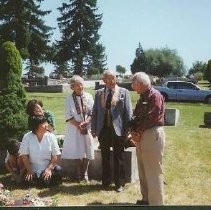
(79, 25)
(21, 22)
(139, 61)
(13, 119)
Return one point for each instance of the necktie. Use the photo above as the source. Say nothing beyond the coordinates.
(108, 100)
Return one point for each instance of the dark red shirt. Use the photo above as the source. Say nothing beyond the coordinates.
(150, 109)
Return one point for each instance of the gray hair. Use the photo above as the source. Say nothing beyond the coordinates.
(141, 77)
(75, 79)
(108, 73)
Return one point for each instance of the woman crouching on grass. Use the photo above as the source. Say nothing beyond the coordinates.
(40, 150)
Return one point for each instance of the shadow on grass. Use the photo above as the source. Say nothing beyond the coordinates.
(71, 189)
(204, 126)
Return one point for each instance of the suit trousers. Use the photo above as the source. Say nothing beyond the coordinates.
(107, 139)
(149, 157)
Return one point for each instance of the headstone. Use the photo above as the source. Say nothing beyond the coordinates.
(95, 166)
(171, 117)
(207, 118)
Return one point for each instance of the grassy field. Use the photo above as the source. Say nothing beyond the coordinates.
(187, 162)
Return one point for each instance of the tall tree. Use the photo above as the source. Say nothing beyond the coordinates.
(79, 24)
(21, 22)
(139, 61)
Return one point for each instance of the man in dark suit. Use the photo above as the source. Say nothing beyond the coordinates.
(112, 111)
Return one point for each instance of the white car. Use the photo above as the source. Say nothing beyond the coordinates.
(184, 91)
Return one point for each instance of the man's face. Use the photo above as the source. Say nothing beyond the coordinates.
(110, 81)
(138, 87)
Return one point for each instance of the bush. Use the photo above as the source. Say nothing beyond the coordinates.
(13, 119)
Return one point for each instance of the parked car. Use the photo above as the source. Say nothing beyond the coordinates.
(184, 91)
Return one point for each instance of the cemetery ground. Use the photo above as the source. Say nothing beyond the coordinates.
(187, 162)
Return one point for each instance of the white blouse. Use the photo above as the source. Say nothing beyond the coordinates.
(40, 153)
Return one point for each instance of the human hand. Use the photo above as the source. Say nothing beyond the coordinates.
(77, 125)
(83, 125)
(135, 137)
(93, 133)
(29, 175)
(47, 174)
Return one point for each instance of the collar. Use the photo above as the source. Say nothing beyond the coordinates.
(113, 89)
(146, 92)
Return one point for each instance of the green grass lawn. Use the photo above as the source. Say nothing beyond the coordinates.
(187, 161)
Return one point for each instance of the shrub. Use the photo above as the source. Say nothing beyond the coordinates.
(13, 119)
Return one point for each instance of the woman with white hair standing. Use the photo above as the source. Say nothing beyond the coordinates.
(78, 141)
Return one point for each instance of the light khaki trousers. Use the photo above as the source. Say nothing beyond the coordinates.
(149, 153)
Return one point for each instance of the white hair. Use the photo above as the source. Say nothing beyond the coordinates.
(75, 79)
(141, 77)
(108, 73)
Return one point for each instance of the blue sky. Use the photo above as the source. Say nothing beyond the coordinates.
(183, 25)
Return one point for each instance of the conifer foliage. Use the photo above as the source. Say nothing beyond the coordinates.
(13, 120)
(79, 24)
(139, 63)
(21, 22)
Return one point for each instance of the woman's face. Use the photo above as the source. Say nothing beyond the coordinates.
(38, 111)
(78, 88)
(43, 127)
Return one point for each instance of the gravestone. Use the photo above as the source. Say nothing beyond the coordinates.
(95, 166)
(171, 117)
(207, 118)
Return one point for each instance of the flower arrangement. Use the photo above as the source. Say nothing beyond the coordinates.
(30, 199)
(6, 198)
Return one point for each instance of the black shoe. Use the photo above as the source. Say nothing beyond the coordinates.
(119, 189)
(142, 203)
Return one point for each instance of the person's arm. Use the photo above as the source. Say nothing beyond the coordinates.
(27, 166)
(54, 157)
(7, 163)
(48, 171)
(94, 116)
(68, 113)
(88, 119)
(128, 110)
(8, 167)
(25, 152)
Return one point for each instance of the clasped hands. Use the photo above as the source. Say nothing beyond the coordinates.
(81, 125)
(134, 137)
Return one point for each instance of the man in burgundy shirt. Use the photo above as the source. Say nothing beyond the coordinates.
(149, 136)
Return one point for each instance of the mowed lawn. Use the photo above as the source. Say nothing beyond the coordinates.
(187, 161)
